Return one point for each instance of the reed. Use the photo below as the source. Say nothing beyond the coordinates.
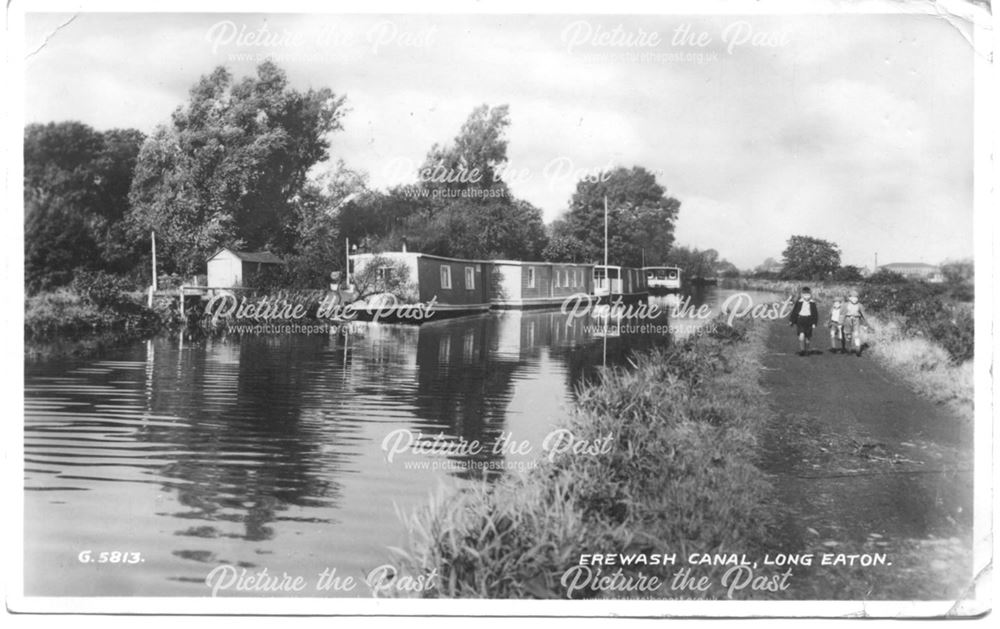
(679, 479)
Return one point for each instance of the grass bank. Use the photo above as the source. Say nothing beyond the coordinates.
(71, 322)
(925, 338)
(677, 479)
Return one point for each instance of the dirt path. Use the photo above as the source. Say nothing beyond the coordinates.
(863, 464)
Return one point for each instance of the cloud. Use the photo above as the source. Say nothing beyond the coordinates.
(856, 129)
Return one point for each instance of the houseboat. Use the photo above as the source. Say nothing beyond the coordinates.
(432, 287)
(525, 285)
(662, 279)
(613, 282)
(435, 287)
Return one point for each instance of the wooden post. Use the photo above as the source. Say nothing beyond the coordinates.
(153, 234)
(152, 286)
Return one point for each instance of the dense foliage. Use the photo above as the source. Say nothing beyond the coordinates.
(242, 165)
(928, 309)
(76, 183)
(808, 258)
(701, 263)
(640, 220)
(230, 167)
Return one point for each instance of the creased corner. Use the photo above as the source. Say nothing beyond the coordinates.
(965, 16)
(969, 594)
(50, 35)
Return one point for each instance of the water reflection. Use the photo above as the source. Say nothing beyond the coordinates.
(266, 450)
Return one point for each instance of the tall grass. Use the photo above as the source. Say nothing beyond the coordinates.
(678, 479)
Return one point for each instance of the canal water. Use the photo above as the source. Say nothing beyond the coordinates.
(271, 451)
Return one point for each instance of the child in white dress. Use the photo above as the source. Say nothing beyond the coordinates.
(836, 325)
(854, 320)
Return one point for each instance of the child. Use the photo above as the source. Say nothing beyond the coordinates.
(854, 319)
(836, 325)
(804, 316)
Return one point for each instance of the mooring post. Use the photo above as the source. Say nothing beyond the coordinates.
(152, 285)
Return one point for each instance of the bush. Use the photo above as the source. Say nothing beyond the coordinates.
(104, 290)
(62, 311)
(884, 277)
(847, 273)
(170, 281)
(955, 331)
(926, 310)
(95, 302)
(963, 291)
(726, 333)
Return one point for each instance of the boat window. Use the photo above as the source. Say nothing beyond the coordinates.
(531, 277)
(445, 276)
(470, 278)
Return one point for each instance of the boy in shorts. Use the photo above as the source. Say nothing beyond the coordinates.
(805, 316)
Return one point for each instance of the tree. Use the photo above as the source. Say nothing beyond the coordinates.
(884, 277)
(562, 245)
(474, 158)
(76, 182)
(696, 263)
(462, 207)
(958, 271)
(725, 268)
(382, 275)
(641, 218)
(808, 258)
(231, 165)
(849, 273)
(319, 241)
(57, 242)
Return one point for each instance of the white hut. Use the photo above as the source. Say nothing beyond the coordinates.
(233, 269)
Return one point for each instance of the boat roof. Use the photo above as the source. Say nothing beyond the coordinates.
(417, 254)
(523, 262)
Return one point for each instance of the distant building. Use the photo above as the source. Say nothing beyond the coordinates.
(915, 271)
(232, 269)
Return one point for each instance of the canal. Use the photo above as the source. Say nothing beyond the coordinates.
(271, 451)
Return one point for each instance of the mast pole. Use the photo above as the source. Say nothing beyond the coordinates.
(605, 235)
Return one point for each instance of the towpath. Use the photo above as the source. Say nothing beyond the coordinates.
(861, 463)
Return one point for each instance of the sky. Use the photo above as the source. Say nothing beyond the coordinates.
(857, 129)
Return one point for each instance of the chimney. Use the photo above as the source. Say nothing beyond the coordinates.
(404, 244)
